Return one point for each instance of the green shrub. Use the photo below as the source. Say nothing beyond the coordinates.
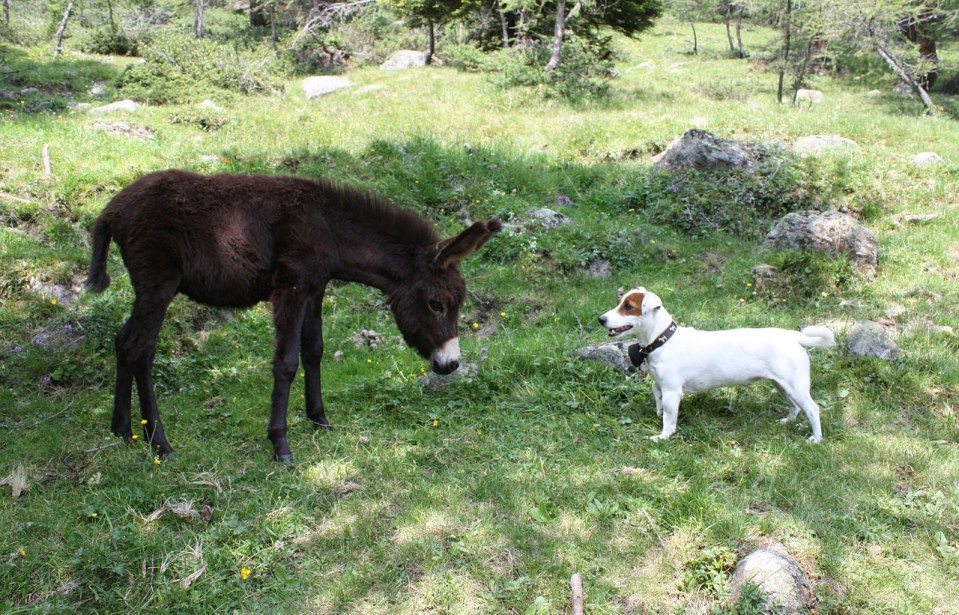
(179, 68)
(466, 57)
(583, 72)
(735, 201)
(108, 41)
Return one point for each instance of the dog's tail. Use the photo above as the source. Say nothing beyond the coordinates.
(817, 337)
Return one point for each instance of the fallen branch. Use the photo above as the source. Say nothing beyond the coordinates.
(576, 583)
(49, 418)
(101, 448)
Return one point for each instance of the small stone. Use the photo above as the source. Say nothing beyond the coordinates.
(337, 356)
(926, 159)
(405, 59)
(599, 269)
(127, 106)
(315, 87)
(817, 143)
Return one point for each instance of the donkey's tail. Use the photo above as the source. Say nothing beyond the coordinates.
(98, 279)
(817, 337)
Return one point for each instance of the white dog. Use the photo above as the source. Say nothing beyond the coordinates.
(684, 360)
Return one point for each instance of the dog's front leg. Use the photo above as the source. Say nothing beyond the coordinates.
(670, 405)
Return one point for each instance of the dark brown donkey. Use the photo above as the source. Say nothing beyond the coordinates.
(235, 240)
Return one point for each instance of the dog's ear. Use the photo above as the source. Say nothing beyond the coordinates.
(651, 303)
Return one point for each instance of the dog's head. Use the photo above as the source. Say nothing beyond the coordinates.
(635, 308)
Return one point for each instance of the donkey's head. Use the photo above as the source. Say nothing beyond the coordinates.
(427, 305)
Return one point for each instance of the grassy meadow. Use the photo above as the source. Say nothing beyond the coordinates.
(485, 495)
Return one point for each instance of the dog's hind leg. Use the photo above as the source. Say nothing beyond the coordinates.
(803, 400)
(793, 408)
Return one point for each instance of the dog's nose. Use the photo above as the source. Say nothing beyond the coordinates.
(602, 319)
(454, 365)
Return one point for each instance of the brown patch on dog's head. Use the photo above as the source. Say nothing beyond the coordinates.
(632, 304)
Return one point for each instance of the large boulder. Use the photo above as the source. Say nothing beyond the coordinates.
(703, 150)
(829, 232)
(405, 59)
(315, 87)
(870, 339)
(782, 586)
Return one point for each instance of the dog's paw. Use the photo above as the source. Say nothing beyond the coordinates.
(785, 420)
(659, 412)
(658, 437)
(814, 439)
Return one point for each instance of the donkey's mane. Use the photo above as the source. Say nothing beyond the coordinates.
(379, 214)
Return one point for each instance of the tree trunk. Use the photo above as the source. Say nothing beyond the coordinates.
(558, 31)
(787, 33)
(503, 24)
(113, 23)
(6, 12)
(63, 26)
(431, 29)
(739, 32)
(727, 14)
(257, 16)
(273, 35)
(695, 38)
(896, 65)
(928, 55)
(198, 20)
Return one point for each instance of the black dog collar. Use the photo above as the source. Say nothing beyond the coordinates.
(638, 354)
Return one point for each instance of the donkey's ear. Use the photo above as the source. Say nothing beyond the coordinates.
(455, 249)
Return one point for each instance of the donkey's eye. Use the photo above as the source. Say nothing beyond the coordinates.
(436, 307)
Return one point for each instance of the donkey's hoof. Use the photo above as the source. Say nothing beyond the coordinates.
(286, 458)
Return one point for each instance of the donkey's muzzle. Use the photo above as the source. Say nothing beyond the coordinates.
(446, 359)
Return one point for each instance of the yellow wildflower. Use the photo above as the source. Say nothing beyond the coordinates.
(53, 301)
(245, 573)
(135, 437)
(93, 515)
(22, 553)
(476, 325)
(143, 421)
(370, 361)
(436, 422)
(503, 314)
(156, 461)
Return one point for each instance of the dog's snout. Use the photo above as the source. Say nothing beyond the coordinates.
(454, 365)
(602, 319)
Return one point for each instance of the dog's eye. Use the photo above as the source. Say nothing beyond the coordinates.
(436, 307)
(627, 306)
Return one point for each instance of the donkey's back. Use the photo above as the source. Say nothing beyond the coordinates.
(223, 235)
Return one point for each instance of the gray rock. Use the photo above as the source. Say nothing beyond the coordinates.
(466, 371)
(98, 89)
(829, 232)
(124, 130)
(125, 106)
(209, 159)
(209, 105)
(315, 87)
(61, 293)
(405, 59)
(366, 338)
(548, 218)
(782, 585)
(703, 150)
(870, 339)
(613, 354)
(873, 94)
(599, 269)
(926, 159)
(818, 143)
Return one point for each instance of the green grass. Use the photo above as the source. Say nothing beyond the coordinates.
(482, 497)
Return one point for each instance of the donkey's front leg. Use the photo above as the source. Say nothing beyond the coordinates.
(311, 351)
(288, 312)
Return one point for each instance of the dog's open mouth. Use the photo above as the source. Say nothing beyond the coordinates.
(619, 330)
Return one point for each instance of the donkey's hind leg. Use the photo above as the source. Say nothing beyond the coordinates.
(136, 349)
(311, 351)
